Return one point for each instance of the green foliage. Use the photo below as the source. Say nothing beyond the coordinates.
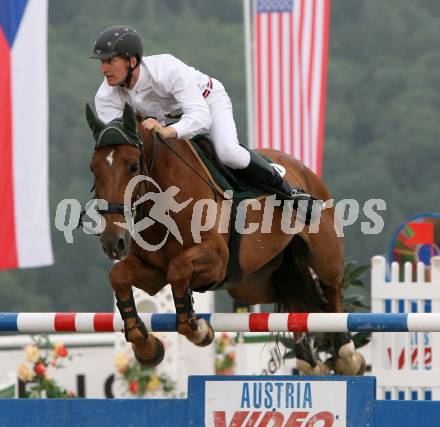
(354, 295)
(382, 122)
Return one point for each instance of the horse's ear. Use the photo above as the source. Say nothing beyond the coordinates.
(129, 118)
(95, 123)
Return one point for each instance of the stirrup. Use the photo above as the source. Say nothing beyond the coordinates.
(301, 194)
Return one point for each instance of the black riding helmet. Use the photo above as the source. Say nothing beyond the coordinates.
(119, 40)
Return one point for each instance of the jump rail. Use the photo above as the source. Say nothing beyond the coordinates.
(225, 322)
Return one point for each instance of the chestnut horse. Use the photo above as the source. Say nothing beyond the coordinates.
(300, 272)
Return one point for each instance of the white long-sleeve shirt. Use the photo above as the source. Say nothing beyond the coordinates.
(165, 84)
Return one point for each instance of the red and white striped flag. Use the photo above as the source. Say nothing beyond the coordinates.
(291, 40)
(24, 203)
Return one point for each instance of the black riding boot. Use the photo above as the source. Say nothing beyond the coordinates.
(263, 175)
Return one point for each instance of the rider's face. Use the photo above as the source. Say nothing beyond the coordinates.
(114, 69)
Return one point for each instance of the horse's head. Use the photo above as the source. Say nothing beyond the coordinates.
(117, 158)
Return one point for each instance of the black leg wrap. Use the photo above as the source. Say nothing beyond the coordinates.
(127, 304)
(304, 351)
(340, 339)
(124, 304)
(140, 325)
(184, 305)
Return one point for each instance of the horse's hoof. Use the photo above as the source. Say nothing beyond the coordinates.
(354, 365)
(347, 350)
(206, 332)
(192, 322)
(158, 356)
(306, 369)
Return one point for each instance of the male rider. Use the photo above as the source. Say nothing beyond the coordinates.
(158, 85)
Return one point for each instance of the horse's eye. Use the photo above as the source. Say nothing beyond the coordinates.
(134, 167)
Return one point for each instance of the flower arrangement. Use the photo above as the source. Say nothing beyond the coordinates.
(41, 356)
(142, 381)
(224, 355)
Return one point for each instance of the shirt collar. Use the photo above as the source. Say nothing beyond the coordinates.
(142, 80)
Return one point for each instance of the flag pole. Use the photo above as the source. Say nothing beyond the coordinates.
(248, 14)
(248, 54)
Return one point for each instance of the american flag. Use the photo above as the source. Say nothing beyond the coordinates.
(290, 66)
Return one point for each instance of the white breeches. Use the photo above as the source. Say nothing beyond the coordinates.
(223, 132)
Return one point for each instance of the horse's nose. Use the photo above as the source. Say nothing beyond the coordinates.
(121, 245)
(114, 246)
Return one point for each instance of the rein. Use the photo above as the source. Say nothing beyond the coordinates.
(187, 163)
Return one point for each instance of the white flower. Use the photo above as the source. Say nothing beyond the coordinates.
(121, 362)
(32, 353)
(24, 373)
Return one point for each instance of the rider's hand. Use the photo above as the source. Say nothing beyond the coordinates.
(165, 132)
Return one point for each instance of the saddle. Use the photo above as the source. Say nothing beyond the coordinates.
(222, 177)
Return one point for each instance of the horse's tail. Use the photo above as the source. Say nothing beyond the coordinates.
(296, 290)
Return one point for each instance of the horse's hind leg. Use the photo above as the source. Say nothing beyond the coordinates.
(348, 361)
(147, 349)
(306, 360)
(328, 265)
(203, 263)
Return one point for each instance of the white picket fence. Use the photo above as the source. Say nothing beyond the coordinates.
(406, 365)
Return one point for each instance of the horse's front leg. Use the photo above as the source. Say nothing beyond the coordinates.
(201, 264)
(129, 272)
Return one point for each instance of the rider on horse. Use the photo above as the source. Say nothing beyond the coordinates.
(274, 267)
(160, 87)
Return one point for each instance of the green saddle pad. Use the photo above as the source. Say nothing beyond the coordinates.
(242, 192)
